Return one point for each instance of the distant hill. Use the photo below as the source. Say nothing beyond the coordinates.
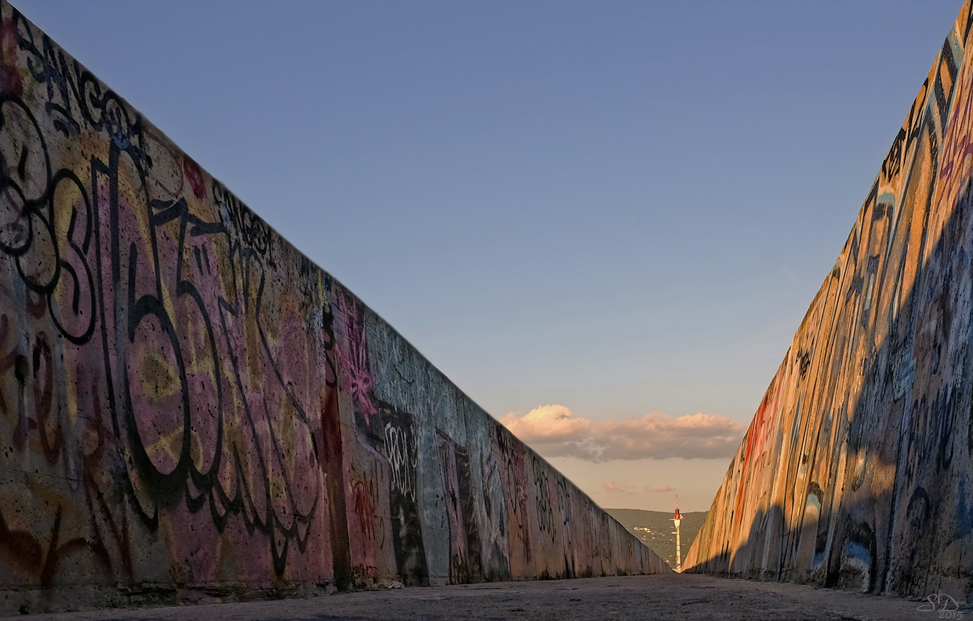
(656, 530)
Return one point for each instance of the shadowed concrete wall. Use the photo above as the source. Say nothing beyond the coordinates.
(190, 407)
(856, 470)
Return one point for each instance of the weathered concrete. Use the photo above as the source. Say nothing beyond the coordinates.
(190, 408)
(669, 596)
(857, 469)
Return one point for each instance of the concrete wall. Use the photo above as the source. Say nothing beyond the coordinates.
(189, 407)
(857, 470)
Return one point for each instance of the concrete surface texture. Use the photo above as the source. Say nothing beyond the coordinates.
(856, 470)
(658, 596)
(189, 408)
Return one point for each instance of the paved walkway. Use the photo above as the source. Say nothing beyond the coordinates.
(640, 597)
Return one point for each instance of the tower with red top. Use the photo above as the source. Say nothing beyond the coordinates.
(675, 520)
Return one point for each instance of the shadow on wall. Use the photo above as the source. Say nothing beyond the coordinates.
(856, 470)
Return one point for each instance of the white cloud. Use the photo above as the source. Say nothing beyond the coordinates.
(655, 489)
(554, 432)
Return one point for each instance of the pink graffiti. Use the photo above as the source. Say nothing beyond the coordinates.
(358, 380)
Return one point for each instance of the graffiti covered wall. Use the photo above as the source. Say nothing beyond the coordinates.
(857, 470)
(189, 407)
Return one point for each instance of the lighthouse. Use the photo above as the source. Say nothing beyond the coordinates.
(675, 520)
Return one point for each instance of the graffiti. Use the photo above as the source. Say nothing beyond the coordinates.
(252, 232)
(804, 360)
(194, 176)
(496, 561)
(364, 493)
(35, 205)
(106, 253)
(188, 403)
(358, 380)
(862, 480)
(393, 436)
(403, 454)
(518, 492)
(400, 447)
(464, 537)
(544, 499)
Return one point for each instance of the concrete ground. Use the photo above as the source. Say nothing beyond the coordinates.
(670, 596)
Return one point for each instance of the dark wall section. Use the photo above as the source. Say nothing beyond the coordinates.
(189, 407)
(857, 470)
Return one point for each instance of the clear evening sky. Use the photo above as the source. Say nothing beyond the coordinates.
(603, 220)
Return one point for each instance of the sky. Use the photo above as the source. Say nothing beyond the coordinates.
(604, 221)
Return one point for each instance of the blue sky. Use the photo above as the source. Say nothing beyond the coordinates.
(617, 208)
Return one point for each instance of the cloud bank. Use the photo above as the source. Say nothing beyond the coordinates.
(554, 432)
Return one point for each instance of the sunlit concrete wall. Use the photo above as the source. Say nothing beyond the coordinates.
(856, 470)
(190, 408)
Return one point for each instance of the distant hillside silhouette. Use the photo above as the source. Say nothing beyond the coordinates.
(655, 529)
